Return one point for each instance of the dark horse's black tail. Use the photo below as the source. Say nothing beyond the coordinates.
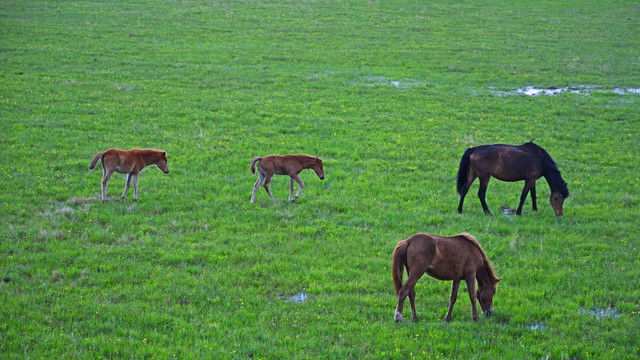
(463, 169)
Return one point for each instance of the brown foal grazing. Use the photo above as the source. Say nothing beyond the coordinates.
(129, 162)
(290, 165)
(456, 258)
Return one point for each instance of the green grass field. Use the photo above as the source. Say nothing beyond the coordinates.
(389, 94)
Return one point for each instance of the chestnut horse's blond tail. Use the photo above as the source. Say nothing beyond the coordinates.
(253, 164)
(97, 157)
(398, 264)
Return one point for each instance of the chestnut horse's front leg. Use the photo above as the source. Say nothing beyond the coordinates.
(452, 299)
(471, 287)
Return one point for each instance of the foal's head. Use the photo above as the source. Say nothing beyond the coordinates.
(485, 296)
(317, 167)
(162, 163)
(557, 198)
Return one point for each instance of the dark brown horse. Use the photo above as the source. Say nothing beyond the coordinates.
(129, 162)
(290, 165)
(526, 162)
(456, 258)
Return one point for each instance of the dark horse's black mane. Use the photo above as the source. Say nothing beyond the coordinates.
(550, 171)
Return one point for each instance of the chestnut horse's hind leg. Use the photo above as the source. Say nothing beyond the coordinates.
(412, 301)
(300, 182)
(406, 290)
(106, 175)
(452, 299)
(256, 186)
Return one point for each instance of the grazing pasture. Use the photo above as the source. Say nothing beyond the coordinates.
(389, 95)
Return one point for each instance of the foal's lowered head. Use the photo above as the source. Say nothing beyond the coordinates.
(318, 169)
(162, 163)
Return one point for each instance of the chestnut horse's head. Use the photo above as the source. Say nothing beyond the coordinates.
(162, 163)
(317, 167)
(485, 296)
(557, 198)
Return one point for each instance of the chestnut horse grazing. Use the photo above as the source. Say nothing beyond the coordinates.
(290, 165)
(129, 162)
(526, 162)
(456, 258)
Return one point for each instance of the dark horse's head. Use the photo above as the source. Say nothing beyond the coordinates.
(557, 185)
(558, 194)
(485, 296)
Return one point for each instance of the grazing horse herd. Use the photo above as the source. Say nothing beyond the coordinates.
(456, 258)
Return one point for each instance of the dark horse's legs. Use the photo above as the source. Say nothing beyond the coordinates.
(533, 197)
(528, 185)
(484, 182)
(464, 190)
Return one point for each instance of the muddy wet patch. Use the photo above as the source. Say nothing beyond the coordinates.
(538, 326)
(373, 81)
(298, 298)
(574, 89)
(610, 312)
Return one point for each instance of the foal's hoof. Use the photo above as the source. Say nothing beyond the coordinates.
(414, 318)
(397, 317)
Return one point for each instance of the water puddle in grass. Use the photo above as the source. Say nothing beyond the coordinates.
(298, 298)
(574, 89)
(372, 81)
(540, 326)
(507, 212)
(603, 313)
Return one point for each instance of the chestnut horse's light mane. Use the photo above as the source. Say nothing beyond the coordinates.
(487, 263)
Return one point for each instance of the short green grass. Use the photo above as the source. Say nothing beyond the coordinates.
(389, 94)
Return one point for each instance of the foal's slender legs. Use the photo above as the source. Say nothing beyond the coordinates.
(300, 182)
(106, 175)
(135, 187)
(256, 186)
(126, 186)
(452, 299)
(267, 181)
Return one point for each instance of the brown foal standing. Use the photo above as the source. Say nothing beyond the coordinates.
(290, 165)
(129, 162)
(456, 258)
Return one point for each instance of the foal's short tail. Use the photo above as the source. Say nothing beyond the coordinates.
(97, 157)
(398, 264)
(463, 169)
(253, 164)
